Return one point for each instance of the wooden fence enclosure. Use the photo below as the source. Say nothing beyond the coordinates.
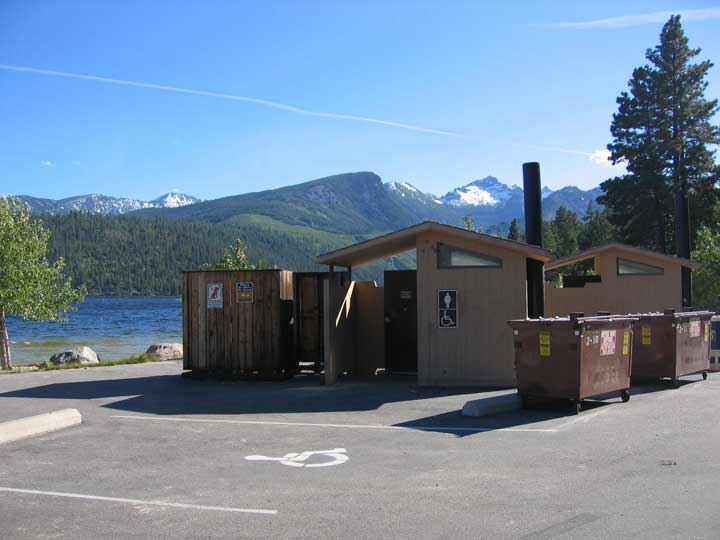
(308, 315)
(238, 322)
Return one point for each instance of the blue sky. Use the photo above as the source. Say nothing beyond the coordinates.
(495, 83)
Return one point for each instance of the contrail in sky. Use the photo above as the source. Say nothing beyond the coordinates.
(274, 105)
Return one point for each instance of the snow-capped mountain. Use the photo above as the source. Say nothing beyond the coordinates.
(173, 200)
(488, 191)
(96, 203)
(407, 190)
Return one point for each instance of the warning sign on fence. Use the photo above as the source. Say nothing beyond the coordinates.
(215, 295)
(245, 292)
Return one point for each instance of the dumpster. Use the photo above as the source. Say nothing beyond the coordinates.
(715, 343)
(671, 345)
(573, 357)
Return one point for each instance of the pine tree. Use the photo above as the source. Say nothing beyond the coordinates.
(661, 132)
(566, 227)
(597, 230)
(514, 233)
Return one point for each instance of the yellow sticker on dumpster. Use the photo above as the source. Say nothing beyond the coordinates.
(707, 332)
(544, 343)
(626, 343)
(646, 335)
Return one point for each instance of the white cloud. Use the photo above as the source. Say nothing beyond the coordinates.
(46, 163)
(601, 157)
(625, 21)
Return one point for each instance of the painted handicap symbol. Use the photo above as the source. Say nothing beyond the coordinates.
(295, 459)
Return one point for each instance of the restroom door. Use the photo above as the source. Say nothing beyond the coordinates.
(401, 321)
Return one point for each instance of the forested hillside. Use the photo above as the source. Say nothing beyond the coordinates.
(146, 255)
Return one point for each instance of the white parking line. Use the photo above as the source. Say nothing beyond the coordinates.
(349, 426)
(138, 502)
(583, 418)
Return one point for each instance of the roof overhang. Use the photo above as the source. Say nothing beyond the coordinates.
(406, 239)
(624, 250)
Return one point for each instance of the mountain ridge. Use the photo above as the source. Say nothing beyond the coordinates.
(97, 203)
(347, 203)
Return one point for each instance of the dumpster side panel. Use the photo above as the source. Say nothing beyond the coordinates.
(547, 360)
(693, 345)
(606, 351)
(671, 345)
(654, 349)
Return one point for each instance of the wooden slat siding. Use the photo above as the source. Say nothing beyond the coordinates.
(619, 294)
(480, 350)
(229, 312)
(192, 330)
(187, 322)
(249, 337)
(199, 295)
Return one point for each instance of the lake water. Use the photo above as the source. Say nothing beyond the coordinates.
(113, 326)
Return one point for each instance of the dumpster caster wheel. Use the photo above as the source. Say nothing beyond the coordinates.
(577, 406)
(676, 383)
(625, 395)
(704, 374)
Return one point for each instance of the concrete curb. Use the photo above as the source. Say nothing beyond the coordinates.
(492, 405)
(36, 425)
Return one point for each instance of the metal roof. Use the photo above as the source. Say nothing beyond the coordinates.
(625, 249)
(406, 239)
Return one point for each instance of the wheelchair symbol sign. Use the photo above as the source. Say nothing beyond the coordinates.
(447, 308)
(298, 459)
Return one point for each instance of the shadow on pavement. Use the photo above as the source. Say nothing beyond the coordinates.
(174, 395)
(461, 426)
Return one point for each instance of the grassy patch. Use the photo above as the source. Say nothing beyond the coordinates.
(19, 369)
(134, 359)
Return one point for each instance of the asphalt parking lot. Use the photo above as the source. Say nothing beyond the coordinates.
(161, 456)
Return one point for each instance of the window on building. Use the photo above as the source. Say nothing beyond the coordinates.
(453, 257)
(626, 267)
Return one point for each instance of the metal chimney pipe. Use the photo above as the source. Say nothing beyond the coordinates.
(533, 203)
(682, 244)
(533, 235)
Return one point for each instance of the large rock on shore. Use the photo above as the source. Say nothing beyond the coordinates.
(79, 355)
(166, 351)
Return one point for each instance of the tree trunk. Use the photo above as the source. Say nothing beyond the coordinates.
(5, 360)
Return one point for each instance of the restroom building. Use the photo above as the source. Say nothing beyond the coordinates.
(616, 278)
(445, 320)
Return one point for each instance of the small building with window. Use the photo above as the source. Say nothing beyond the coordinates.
(445, 320)
(615, 278)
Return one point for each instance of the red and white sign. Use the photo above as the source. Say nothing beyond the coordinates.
(215, 295)
(608, 342)
(695, 329)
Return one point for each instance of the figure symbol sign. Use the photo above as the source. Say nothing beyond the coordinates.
(295, 459)
(448, 300)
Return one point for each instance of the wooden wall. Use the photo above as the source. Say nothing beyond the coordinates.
(238, 337)
(619, 294)
(480, 351)
(354, 330)
(369, 328)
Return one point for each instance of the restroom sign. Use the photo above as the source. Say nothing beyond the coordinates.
(447, 308)
(245, 292)
(214, 295)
